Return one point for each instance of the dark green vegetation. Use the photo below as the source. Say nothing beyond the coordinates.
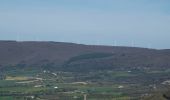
(64, 71)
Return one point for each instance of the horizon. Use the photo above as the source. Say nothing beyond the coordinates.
(115, 23)
(47, 41)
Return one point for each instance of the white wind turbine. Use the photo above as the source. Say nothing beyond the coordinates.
(115, 43)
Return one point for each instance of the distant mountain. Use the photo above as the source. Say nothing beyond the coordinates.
(78, 57)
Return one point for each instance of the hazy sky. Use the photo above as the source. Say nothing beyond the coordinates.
(141, 23)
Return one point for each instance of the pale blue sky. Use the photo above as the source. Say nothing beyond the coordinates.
(143, 23)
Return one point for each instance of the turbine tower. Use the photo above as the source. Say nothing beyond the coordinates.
(148, 45)
(18, 37)
(132, 44)
(37, 39)
(115, 43)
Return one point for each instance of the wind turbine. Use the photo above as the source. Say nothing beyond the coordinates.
(18, 37)
(132, 44)
(115, 43)
(37, 39)
(148, 45)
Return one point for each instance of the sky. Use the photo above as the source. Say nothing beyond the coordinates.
(139, 23)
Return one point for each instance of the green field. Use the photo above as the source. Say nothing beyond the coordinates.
(100, 85)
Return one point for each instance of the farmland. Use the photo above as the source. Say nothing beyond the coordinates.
(99, 85)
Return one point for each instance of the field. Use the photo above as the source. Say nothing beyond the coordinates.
(99, 85)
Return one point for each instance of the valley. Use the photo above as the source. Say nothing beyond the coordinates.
(67, 71)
